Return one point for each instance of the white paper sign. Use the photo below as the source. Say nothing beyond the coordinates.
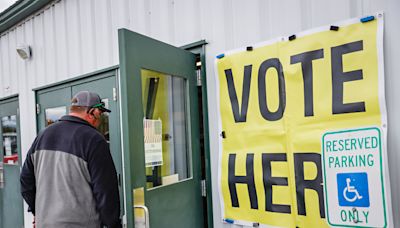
(153, 142)
(7, 146)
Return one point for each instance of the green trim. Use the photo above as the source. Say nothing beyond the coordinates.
(198, 44)
(126, 146)
(19, 136)
(11, 104)
(210, 211)
(382, 181)
(139, 52)
(199, 48)
(93, 76)
(381, 172)
(14, 99)
(78, 78)
(324, 174)
(8, 98)
(9, 101)
(20, 164)
(19, 11)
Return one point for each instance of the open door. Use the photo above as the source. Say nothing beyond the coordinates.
(160, 121)
(11, 204)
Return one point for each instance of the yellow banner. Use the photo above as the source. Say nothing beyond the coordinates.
(276, 100)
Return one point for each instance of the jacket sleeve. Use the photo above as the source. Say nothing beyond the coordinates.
(104, 184)
(27, 179)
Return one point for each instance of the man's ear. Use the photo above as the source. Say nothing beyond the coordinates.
(91, 111)
(90, 115)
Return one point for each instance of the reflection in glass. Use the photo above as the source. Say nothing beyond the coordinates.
(52, 115)
(165, 128)
(10, 146)
(104, 127)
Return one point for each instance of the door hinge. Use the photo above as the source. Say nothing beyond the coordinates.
(198, 73)
(203, 188)
(37, 109)
(115, 96)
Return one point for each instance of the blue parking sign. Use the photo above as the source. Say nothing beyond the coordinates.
(353, 189)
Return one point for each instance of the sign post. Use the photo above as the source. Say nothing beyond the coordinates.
(354, 178)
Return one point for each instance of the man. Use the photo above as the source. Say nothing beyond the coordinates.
(69, 178)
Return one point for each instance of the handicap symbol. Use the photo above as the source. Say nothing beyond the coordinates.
(353, 189)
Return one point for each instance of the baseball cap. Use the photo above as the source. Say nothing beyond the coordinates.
(90, 100)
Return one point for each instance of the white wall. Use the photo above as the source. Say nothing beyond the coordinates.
(392, 69)
(73, 37)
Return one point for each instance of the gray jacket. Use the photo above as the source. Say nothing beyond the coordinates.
(69, 179)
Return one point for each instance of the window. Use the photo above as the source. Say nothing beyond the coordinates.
(10, 144)
(52, 115)
(165, 128)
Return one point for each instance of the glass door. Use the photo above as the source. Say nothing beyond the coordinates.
(52, 105)
(110, 128)
(160, 133)
(54, 101)
(11, 204)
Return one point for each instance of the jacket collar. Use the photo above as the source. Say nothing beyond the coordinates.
(75, 120)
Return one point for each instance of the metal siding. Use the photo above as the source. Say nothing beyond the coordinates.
(139, 14)
(186, 11)
(326, 12)
(73, 37)
(74, 42)
(117, 12)
(60, 48)
(3, 63)
(101, 25)
(50, 62)
(38, 50)
(88, 36)
(392, 83)
(19, 65)
(159, 23)
(247, 29)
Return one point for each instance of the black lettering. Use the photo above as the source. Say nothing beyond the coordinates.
(306, 59)
(302, 184)
(339, 78)
(262, 95)
(239, 117)
(269, 181)
(248, 179)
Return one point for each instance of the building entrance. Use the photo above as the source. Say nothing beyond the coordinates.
(11, 204)
(53, 102)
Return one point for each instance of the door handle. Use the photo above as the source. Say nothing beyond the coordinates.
(146, 214)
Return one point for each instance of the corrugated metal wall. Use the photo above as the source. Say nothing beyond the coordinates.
(73, 37)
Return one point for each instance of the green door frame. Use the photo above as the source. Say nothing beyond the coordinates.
(199, 48)
(150, 54)
(72, 83)
(14, 98)
(68, 83)
(4, 101)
